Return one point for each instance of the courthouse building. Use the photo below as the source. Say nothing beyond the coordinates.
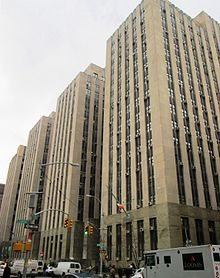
(9, 201)
(32, 180)
(74, 170)
(161, 140)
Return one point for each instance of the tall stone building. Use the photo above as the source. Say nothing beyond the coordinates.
(10, 197)
(32, 180)
(74, 170)
(9, 201)
(161, 168)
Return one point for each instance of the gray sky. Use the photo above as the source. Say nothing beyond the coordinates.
(44, 44)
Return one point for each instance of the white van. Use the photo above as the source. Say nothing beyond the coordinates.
(66, 267)
(40, 267)
(17, 268)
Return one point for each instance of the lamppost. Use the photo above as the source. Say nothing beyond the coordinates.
(41, 192)
(73, 164)
(101, 228)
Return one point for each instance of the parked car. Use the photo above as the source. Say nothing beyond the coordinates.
(17, 268)
(66, 267)
(2, 267)
(139, 273)
(40, 267)
(49, 271)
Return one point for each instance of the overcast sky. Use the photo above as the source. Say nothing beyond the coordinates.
(44, 44)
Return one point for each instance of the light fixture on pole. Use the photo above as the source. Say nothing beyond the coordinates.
(101, 228)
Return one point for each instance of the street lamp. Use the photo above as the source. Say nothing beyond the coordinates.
(41, 192)
(101, 228)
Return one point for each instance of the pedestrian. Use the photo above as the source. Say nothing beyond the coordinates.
(127, 272)
(7, 271)
(96, 269)
(120, 272)
(112, 271)
(132, 266)
(45, 268)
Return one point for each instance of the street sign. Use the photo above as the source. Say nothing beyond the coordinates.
(101, 246)
(23, 221)
(33, 227)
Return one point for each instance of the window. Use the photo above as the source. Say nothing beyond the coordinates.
(167, 259)
(140, 227)
(153, 233)
(129, 240)
(199, 232)
(109, 241)
(185, 230)
(216, 257)
(150, 260)
(212, 234)
(118, 241)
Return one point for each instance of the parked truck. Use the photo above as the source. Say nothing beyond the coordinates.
(183, 262)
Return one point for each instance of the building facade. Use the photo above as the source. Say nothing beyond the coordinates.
(32, 180)
(2, 187)
(9, 201)
(10, 197)
(161, 142)
(75, 170)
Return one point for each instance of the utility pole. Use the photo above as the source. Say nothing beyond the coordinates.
(73, 164)
(101, 229)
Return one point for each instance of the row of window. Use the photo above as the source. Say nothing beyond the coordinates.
(137, 115)
(93, 182)
(135, 244)
(188, 140)
(52, 247)
(184, 104)
(84, 150)
(173, 110)
(127, 53)
(196, 117)
(58, 173)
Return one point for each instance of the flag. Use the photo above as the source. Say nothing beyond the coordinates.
(120, 206)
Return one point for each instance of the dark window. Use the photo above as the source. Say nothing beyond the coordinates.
(167, 259)
(150, 260)
(109, 241)
(55, 248)
(118, 241)
(199, 232)
(153, 233)
(129, 240)
(212, 234)
(185, 230)
(140, 226)
(216, 257)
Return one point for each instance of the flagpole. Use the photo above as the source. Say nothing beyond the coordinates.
(127, 214)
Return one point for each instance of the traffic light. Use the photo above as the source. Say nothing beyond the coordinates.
(90, 230)
(17, 246)
(86, 230)
(70, 223)
(66, 221)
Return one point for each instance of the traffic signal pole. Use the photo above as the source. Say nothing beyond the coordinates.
(101, 230)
